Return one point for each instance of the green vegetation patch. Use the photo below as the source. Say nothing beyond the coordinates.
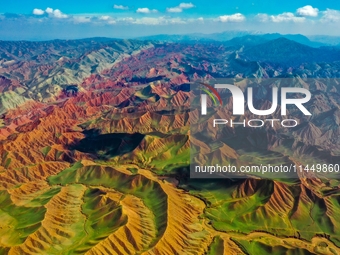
(18, 222)
(147, 190)
(103, 217)
(216, 247)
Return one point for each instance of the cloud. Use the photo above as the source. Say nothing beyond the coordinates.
(58, 14)
(82, 19)
(55, 13)
(330, 16)
(180, 7)
(286, 16)
(283, 17)
(127, 20)
(146, 10)
(186, 5)
(307, 10)
(176, 21)
(120, 7)
(262, 17)
(149, 21)
(153, 21)
(237, 17)
(104, 17)
(38, 11)
(107, 19)
(174, 9)
(49, 10)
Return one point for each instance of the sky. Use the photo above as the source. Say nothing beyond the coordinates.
(69, 19)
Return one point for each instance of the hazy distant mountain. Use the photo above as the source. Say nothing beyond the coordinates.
(251, 40)
(287, 52)
(233, 38)
(257, 39)
(224, 36)
(325, 39)
(294, 37)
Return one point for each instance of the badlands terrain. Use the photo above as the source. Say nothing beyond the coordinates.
(95, 143)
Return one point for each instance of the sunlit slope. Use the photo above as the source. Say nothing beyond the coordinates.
(96, 209)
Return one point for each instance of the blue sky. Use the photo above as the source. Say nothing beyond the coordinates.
(39, 20)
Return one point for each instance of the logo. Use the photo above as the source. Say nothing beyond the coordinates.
(239, 103)
(210, 91)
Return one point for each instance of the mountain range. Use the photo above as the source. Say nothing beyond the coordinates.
(313, 41)
(96, 137)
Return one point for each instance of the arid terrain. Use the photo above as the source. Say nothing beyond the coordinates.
(95, 143)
